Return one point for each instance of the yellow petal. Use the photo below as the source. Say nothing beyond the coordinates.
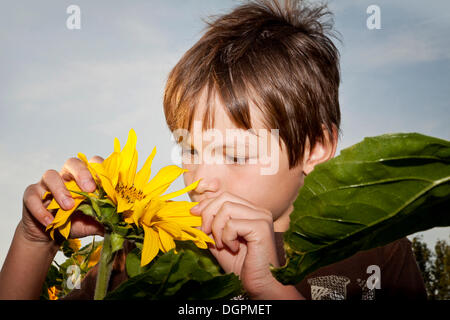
(65, 229)
(171, 228)
(62, 215)
(165, 240)
(128, 159)
(128, 217)
(151, 210)
(116, 145)
(179, 212)
(75, 244)
(151, 245)
(94, 258)
(53, 293)
(88, 165)
(191, 221)
(53, 204)
(123, 205)
(162, 180)
(72, 185)
(199, 237)
(171, 195)
(111, 167)
(139, 209)
(144, 174)
(132, 169)
(45, 195)
(105, 181)
(83, 158)
(176, 208)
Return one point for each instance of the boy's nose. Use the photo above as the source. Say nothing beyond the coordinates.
(209, 182)
(207, 185)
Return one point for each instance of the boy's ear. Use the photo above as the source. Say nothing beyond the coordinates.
(321, 152)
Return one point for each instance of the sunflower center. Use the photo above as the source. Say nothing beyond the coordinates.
(131, 194)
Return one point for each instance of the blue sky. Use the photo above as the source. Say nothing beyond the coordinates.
(67, 91)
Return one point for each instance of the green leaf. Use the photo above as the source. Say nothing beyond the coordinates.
(87, 210)
(191, 273)
(108, 211)
(116, 242)
(66, 249)
(123, 230)
(375, 192)
(133, 263)
(53, 278)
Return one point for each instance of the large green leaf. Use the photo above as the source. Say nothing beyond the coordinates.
(373, 193)
(191, 273)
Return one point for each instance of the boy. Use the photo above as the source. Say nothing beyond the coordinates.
(263, 66)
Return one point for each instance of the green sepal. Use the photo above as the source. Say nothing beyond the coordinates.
(122, 230)
(87, 210)
(116, 242)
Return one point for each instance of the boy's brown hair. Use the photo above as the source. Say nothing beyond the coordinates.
(279, 57)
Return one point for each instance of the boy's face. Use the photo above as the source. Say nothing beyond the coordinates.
(271, 186)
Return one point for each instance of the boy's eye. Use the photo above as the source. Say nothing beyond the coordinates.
(188, 155)
(188, 151)
(237, 160)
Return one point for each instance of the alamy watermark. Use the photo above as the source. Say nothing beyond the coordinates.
(373, 22)
(74, 277)
(235, 146)
(73, 21)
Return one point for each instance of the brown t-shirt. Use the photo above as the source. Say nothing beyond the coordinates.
(383, 273)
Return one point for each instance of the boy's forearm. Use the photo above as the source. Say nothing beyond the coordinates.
(25, 267)
(278, 291)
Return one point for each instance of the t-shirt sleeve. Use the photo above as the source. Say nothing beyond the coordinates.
(400, 274)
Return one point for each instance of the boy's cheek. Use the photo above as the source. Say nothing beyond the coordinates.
(188, 177)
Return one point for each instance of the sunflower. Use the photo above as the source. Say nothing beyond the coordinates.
(74, 244)
(87, 262)
(166, 221)
(124, 186)
(53, 293)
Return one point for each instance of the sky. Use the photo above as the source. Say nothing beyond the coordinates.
(64, 91)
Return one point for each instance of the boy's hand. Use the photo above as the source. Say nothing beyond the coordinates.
(35, 216)
(245, 240)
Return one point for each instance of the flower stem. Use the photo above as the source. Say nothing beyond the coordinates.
(105, 267)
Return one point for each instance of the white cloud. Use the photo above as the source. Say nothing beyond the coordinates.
(90, 85)
(394, 48)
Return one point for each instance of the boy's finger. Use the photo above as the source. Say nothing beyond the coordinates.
(75, 169)
(210, 210)
(96, 159)
(52, 181)
(197, 210)
(232, 210)
(257, 234)
(32, 200)
(236, 228)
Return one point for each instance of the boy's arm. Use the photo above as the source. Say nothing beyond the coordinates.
(278, 291)
(25, 267)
